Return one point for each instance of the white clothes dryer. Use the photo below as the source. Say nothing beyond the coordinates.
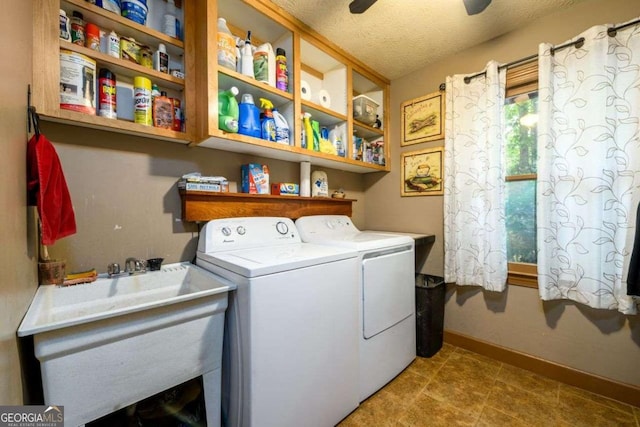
(289, 357)
(387, 326)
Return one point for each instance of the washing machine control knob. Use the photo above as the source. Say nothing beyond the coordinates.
(282, 228)
(241, 230)
(226, 231)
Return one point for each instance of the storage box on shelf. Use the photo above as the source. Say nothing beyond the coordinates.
(47, 83)
(368, 105)
(309, 57)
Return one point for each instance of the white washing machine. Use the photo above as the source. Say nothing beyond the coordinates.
(386, 283)
(289, 357)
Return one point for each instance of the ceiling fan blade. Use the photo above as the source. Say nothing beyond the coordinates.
(475, 6)
(359, 6)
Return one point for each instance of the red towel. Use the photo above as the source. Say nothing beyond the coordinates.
(47, 188)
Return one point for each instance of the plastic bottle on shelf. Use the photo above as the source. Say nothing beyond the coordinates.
(335, 136)
(162, 111)
(65, 34)
(268, 124)
(226, 46)
(249, 121)
(228, 112)
(264, 64)
(247, 57)
(282, 128)
(114, 45)
(77, 28)
(282, 74)
(315, 127)
(308, 130)
(170, 20)
(161, 59)
(92, 37)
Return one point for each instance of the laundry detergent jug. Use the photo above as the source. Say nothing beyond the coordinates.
(249, 122)
(228, 113)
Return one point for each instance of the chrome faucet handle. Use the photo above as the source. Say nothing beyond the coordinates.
(113, 269)
(130, 265)
(140, 266)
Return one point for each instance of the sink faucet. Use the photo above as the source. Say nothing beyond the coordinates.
(133, 266)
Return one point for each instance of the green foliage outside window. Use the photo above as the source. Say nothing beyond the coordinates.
(520, 157)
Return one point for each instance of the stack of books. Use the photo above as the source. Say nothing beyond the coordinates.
(196, 182)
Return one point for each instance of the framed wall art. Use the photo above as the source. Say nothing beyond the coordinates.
(422, 119)
(422, 172)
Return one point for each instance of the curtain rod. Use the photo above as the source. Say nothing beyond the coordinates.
(612, 32)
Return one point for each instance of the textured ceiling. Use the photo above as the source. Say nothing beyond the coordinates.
(396, 37)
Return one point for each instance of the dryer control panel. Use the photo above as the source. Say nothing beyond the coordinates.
(326, 225)
(250, 232)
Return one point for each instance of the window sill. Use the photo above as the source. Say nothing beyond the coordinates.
(521, 274)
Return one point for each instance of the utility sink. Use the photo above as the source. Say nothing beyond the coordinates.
(107, 344)
(55, 307)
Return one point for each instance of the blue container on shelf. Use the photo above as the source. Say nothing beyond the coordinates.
(135, 10)
(249, 121)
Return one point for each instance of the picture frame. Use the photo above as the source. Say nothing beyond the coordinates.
(422, 172)
(422, 119)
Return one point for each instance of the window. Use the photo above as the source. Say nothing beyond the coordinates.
(520, 112)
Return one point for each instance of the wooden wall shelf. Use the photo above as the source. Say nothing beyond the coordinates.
(201, 206)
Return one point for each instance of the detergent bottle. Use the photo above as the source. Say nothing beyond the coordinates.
(264, 64)
(282, 128)
(226, 45)
(335, 136)
(268, 124)
(315, 128)
(249, 122)
(228, 112)
(308, 130)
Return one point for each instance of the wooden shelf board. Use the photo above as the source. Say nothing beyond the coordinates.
(258, 147)
(202, 206)
(121, 126)
(365, 131)
(228, 78)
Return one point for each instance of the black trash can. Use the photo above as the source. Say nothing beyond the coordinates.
(430, 293)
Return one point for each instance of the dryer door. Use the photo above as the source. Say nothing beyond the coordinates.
(388, 281)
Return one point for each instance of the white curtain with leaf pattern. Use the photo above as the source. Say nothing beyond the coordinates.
(589, 168)
(474, 187)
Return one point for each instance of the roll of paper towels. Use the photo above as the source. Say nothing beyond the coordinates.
(324, 98)
(305, 179)
(305, 90)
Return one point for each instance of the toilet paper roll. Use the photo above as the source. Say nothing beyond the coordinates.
(324, 98)
(305, 90)
(305, 179)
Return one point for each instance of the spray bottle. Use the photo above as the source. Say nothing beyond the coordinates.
(308, 130)
(247, 57)
(282, 128)
(228, 112)
(268, 124)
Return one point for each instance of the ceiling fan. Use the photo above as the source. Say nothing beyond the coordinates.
(473, 6)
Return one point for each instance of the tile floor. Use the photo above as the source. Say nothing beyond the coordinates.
(457, 387)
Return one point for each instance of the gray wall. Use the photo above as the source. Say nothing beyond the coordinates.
(597, 341)
(126, 200)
